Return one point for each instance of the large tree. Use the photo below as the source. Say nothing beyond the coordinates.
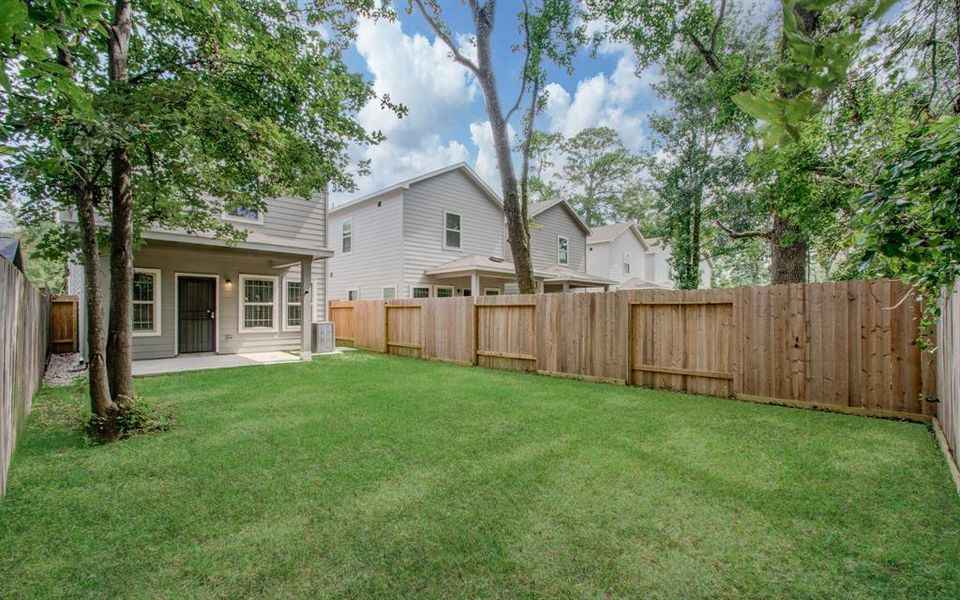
(548, 32)
(176, 112)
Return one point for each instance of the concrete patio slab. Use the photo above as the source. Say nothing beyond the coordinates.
(197, 362)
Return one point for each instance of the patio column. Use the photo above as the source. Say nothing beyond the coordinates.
(539, 286)
(566, 286)
(475, 284)
(306, 313)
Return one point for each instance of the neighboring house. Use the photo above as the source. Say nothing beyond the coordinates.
(443, 234)
(195, 293)
(11, 252)
(620, 252)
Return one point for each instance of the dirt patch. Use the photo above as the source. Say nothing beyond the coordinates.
(64, 369)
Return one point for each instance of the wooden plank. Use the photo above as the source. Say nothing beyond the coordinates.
(826, 406)
(676, 371)
(404, 345)
(515, 355)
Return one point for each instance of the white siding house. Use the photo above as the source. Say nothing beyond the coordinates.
(443, 234)
(620, 252)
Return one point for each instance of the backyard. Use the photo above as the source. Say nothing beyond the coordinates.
(369, 475)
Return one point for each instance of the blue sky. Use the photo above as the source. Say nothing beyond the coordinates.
(447, 121)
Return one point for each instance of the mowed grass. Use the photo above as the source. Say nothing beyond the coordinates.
(371, 476)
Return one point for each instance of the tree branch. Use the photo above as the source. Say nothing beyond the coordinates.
(737, 235)
(526, 63)
(443, 35)
(716, 27)
(708, 55)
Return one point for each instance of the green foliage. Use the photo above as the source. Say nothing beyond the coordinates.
(138, 417)
(229, 102)
(910, 220)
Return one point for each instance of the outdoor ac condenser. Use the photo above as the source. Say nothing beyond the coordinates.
(324, 337)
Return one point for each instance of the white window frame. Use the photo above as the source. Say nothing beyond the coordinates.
(487, 290)
(286, 304)
(157, 300)
(240, 303)
(445, 230)
(437, 288)
(352, 231)
(383, 292)
(567, 240)
(356, 291)
(227, 216)
(421, 287)
(626, 266)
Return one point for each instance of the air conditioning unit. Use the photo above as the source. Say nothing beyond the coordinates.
(324, 337)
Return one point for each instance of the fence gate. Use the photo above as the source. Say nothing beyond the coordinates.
(403, 330)
(682, 345)
(64, 315)
(505, 334)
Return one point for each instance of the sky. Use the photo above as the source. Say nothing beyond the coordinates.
(447, 121)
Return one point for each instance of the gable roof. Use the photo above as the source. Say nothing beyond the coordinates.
(10, 250)
(608, 233)
(542, 207)
(406, 183)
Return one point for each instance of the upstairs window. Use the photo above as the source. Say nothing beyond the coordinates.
(563, 251)
(146, 301)
(244, 213)
(626, 263)
(451, 230)
(346, 236)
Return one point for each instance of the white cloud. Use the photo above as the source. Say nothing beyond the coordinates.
(419, 74)
(620, 100)
(486, 163)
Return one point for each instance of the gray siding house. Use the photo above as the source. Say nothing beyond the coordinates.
(193, 293)
(443, 234)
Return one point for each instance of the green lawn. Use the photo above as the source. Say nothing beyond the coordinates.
(363, 475)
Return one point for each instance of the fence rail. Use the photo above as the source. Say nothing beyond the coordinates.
(24, 335)
(849, 346)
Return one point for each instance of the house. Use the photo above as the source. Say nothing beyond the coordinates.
(10, 251)
(193, 293)
(443, 234)
(620, 252)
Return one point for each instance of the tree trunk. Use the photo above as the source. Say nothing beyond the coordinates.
(788, 253)
(514, 207)
(119, 353)
(101, 404)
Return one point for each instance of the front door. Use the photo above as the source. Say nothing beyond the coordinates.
(196, 314)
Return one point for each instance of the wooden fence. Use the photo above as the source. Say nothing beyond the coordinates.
(849, 346)
(24, 331)
(64, 317)
(948, 369)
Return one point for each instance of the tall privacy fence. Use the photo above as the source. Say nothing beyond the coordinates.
(849, 346)
(948, 368)
(24, 335)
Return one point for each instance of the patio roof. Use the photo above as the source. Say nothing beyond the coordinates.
(557, 274)
(255, 242)
(639, 283)
(490, 266)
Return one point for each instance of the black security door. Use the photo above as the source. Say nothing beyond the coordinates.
(196, 319)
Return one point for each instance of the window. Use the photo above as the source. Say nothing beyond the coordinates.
(421, 292)
(563, 251)
(444, 291)
(451, 230)
(626, 263)
(293, 305)
(389, 293)
(346, 236)
(244, 213)
(353, 294)
(258, 297)
(146, 302)
(491, 291)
